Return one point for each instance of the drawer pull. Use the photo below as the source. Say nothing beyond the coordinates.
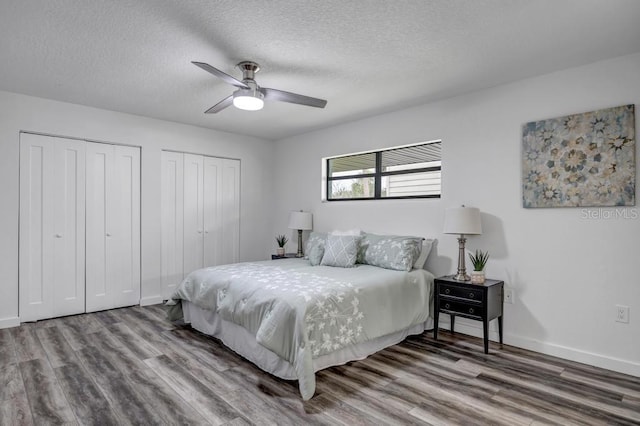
(471, 295)
(470, 310)
(446, 306)
(447, 291)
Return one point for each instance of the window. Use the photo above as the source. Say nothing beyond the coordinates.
(404, 172)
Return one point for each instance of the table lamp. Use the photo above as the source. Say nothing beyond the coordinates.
(462, 221)
(302, 221)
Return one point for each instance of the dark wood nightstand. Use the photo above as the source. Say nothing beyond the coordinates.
(286, 256)
(480, 302)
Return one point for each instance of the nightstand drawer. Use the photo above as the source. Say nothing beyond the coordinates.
(461, 292)
(461, 308)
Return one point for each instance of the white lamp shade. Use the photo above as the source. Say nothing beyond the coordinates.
(301, 220)
(462, 220)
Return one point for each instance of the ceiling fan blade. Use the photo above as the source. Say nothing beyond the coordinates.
(226, 77)
(220, 105)
(294, 98)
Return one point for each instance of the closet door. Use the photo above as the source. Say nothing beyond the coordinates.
(113, 226)
(193, 249)
(126, 223)
(172, 221)
(51, 265)
(200, 215)
(212, 217)
(229, 201)
(100, 226)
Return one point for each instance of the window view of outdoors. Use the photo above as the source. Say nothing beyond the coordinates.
(406, 172)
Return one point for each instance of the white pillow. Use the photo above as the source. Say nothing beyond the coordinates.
(424, 253)
(354, 231)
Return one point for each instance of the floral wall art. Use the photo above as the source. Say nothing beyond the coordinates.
(585, 160)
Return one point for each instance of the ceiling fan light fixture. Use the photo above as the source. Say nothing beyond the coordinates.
(249, 96)
(248, 99)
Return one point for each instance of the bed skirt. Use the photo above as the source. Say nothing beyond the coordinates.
(239, 340)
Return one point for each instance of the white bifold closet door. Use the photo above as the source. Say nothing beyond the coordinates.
(113, 226)
(200, 214)
(193, 208)
(79, 226)
(52, 227)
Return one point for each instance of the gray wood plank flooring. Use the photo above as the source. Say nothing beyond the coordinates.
(131, 366)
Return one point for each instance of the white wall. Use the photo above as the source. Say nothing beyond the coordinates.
(24, 113)
(568, 272)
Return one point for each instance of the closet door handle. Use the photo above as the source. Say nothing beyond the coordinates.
(206, 232)
(107, 234)
(58, 235)
(199, 231)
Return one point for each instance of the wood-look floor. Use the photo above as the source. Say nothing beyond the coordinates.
(131, 366)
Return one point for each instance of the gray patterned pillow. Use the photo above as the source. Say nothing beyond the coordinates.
(390, 251)
(315, 239)
(340, 250)
(316, 254)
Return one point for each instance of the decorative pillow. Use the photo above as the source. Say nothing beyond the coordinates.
(340, 250)
(424, 253)
(347, 232)
(390, 251)
(316, 254)
(315, 239)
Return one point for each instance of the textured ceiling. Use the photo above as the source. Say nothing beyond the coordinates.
(364, 56)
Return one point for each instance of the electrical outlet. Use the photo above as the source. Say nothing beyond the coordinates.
(622, 313)
(508, 296)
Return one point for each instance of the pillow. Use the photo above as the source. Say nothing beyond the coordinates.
(348, 232)
(341, 251)
(368, 239)
(316, 254)
(315, 239)
(424, 253)
(390, 251)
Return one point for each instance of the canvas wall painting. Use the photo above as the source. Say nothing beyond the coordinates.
(581, 160)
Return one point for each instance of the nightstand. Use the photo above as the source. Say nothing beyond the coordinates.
(480, 302)
(286, 256)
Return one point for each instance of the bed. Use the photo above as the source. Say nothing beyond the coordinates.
(293, 317)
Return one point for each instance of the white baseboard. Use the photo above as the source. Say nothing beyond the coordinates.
(151, 300)
(9, 322)
(590, 358)
(564, 352)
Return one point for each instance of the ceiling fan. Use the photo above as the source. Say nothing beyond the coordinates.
(249, 95)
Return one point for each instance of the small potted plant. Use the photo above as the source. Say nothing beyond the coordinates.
(479, 261)
(281, 240)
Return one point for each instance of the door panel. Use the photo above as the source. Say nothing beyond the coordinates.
(36, 228)
(69, 227)
(212, 217)
(125, 226)
(99, 243)
(51, 248)
(193, 213)
(172, 221)
(230, 201)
